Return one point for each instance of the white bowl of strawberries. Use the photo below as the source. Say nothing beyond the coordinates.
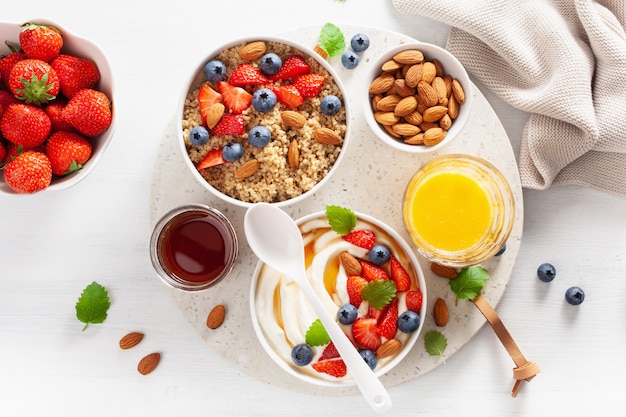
(56, 116)
(366, 275)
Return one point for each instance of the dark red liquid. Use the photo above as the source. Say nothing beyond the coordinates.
(193, 247)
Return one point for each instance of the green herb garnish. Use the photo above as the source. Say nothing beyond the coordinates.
(317, 335)
(332, 40)
(92, 305)
(435, 343)
(379, 292)
(340, 219)
(470, 281)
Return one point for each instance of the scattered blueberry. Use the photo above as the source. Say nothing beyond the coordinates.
(546, 272)
(330, 105)
(360, 42)
(574, 295)
(379, 254)
(198, 136)
(350, 59)
(501, 251)
(301, 354)
(408, 322)
(232, 151)
(270, 64)
(259, 136)
(347, 314)
(215, 71)
(263, 100)
(369, 357)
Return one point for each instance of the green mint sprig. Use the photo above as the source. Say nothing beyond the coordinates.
(92, 305)
(342, 220)
(331, 40)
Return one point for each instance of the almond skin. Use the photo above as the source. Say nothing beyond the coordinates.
(216, 316)
(216, 111)
(350, 264)
(248, 169)
(326, 136)
(443, 271)
(293, 154)
(131, 340)
(293, 119)
(252, 51)
(409, 57)
(381, 84)
(389, 348)
(149, 363)
(440, 313)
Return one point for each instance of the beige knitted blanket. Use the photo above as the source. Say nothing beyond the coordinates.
(563, 61)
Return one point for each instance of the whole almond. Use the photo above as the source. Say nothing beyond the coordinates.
(252, 51)
(351, 265)
(440, 87)
(406, 129)
(453, 107)
(434, 136)
(434, 113)
(326, 136)
(415, 118)
(415, 140)
(216, 317)
(248, 169)
(458, 92)
(443, 270)
(389, 348)
(293, 154)
(429, 72)
(440, 312)
(216, 111)
(317, 48)
(381, 84)
(148, 363)
(445, 122)
(386, 118)
(388, 103)
(414, 74)
(402, 88)
(390, 131)
(130, 340)
(391, 66)
(438, 67)
(410, 56)
(293, 119)
(427, 94)
(405, 106)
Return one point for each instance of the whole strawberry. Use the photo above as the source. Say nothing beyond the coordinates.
(25, 124)
(54, 110)
(75, 73)
(28, 173)
(6, 65)
(67, 152)
(34, 81)
(40, 42)
(89, 111)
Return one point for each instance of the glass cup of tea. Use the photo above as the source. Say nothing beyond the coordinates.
(193, 247)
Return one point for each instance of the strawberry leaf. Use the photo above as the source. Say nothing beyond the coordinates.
(379, 292)
(331, 40)
(435, 343)
(92, 305)
(470, 281)
(317, 335)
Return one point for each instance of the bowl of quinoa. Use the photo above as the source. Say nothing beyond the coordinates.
(263, 120)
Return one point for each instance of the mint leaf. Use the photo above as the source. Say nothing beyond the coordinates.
(340, 219)
(470, 281)
(92, 305)
(316, 335)
(332, 40)
(379, 292)
(435, 343)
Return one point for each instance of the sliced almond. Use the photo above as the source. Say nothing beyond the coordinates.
(326, 136)
(389, 348)
(131, 340)
(443, 270)
(216, 111)
(216, 316)
(248, 169)
(293, 119)
(350, 263)
(293, 154)
(149, 363)
(252, 51)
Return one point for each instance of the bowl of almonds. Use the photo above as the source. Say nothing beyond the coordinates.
(419, 97)
(263, 120)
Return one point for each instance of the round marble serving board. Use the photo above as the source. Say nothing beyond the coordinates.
(371, 180)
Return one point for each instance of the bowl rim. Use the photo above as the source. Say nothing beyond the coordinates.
(413, 257)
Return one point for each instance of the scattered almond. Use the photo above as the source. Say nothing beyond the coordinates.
(148, 363)
(293, 154)
(440, 312)
(252, 51)
(248, 169)
(216, 111)
(389, 348)
(216, 316)
(326, 136)
(351, 265)
(443, 270)
(131, 340)
(293, 118)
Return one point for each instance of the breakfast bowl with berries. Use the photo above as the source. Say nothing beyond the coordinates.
(365, 275)
(263, 120)
(56, 116)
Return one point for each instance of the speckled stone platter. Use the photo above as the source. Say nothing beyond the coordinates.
(371, 180)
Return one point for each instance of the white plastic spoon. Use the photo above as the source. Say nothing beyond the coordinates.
(275, 238)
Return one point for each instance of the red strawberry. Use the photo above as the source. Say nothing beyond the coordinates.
(40, 42)
(28, 173)
(7, 63)
(25, 124)
(211, 159)
(363, 238)
(354, 285)
(67, 152)
(413, 300)
(75, 73)
(34, 81)
(54, 111)
(372, 272)
(7, 98)
(365, 333)
(373, 313)
(309, 85)
(236, 99)
(3, 152)
(14, 149)
(229, 125)
(330, 352)
(89, 111)
(399, 274)
(207, 97)
(333, 367)
(388, 320)
(288, 95)
(292, 66)
(247, 74)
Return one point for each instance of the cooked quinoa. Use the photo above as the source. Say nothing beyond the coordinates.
(275, 181)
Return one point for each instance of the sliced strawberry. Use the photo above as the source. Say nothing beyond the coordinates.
(365, 333)
(354, 286)
(373, 313)
(363, 238)
(333, 367)
(388, 321)
(236, 99)
(399, 274)
(413, 300)
(247, 74)
(207, 97)
(330, 352)
(213, 158)
(292, 66)
(372, 272)
(229, 125)
(309, 85)
(288, 95)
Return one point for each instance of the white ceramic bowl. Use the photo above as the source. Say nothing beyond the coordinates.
(450, 65)
(197, 78)
(74, 44)
(278, 332)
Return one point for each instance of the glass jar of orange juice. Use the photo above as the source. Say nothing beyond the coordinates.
(459, 210)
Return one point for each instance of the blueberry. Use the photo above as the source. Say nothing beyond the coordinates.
(330, 105)
(199, 136)
(259, 136)
(546, 272)
(270, 64)
(347, 314)
(501, 251)
(574, 295)
(369, 357)
(379, 254)
(408, 322)
(263, 100)
(232, 151)
(350, 59)
(360, 42)
(215, 71)
(301, 354)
